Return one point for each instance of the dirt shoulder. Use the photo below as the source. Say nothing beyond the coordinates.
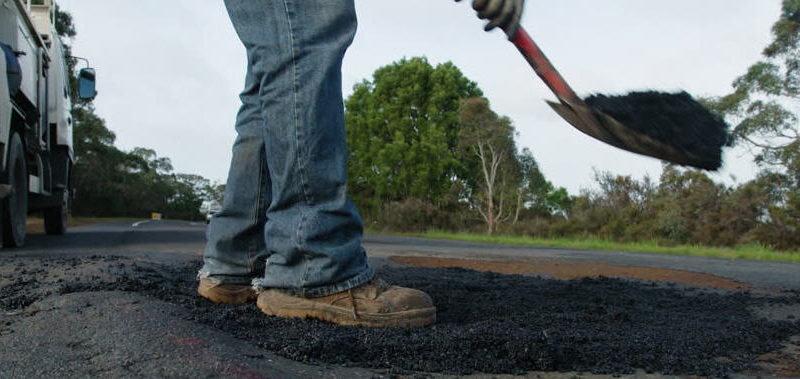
(570, 271)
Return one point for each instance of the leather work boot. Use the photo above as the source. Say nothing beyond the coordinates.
(374, 304)
(226, 293)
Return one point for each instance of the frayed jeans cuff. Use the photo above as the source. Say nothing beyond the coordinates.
(226, 279)
(203, 275)
(362, 278)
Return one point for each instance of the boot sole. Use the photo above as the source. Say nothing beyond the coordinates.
(217, 295)
(270, 303)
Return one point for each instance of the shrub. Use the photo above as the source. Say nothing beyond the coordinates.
(414, 215)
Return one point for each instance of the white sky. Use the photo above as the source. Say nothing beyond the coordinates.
(169, 72)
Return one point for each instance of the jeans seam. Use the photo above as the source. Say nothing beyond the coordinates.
(251, 248)
(295, 90)
(301, 169)
(307, 261)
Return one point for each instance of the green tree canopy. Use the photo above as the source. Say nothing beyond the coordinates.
(402, 131)
(764, 107)
(765, 100)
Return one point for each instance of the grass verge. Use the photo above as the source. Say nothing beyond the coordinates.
(755, 252)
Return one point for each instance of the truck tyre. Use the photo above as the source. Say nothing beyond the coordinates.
(15, 206)
(55, 218)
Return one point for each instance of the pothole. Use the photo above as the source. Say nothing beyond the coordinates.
(487, 322)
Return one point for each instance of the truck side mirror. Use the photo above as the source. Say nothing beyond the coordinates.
(86, 84)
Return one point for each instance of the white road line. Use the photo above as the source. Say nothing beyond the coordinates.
(136, 224)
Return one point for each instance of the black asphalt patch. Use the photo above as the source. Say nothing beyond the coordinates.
(488, 323)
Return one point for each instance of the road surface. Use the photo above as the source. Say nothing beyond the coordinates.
(116, 299)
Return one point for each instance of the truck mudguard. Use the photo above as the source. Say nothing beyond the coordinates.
(13, 71)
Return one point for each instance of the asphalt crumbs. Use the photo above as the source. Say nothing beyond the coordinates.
(487, 322)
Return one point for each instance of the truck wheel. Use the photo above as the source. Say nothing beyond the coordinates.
(55, 218)
(15, 206)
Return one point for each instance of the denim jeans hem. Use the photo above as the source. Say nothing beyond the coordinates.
(367, 275)
(224, 279)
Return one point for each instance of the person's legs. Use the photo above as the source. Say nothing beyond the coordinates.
(313, 231)
(235, 250)
(316, 266)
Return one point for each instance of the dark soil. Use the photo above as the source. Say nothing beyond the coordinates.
(487, 322)
(673, 119)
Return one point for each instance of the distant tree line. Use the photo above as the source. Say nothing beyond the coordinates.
(684, 207)
(110, 182)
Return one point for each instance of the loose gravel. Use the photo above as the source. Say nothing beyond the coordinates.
(487, 322)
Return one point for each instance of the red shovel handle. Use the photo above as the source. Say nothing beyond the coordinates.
(542, 66)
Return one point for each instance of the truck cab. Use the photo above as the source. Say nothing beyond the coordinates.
(36, 150)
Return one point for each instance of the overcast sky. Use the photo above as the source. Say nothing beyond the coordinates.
(169, 72)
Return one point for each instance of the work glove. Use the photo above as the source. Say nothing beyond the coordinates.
(505, 14)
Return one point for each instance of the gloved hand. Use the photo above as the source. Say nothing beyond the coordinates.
(503, 13)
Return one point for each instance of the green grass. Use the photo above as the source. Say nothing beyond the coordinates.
(755, 252)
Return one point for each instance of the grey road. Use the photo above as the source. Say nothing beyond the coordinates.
(778, 275)
(182, 241)
(70, 307)
(120, 333)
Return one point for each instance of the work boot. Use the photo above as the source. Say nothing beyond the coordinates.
(226, 293)
(374, 304)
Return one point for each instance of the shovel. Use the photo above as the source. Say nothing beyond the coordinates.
(674, 128)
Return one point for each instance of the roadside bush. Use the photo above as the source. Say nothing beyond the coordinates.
(414, 215)
(672, 226)
(686, 207)
(538, 227)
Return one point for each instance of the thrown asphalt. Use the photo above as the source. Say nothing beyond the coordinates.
(675, 119)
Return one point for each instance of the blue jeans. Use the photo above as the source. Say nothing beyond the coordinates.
(287, 222)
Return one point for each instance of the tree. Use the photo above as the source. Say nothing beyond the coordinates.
(490, 138)
(536, 193)
(65, 28)
(189, 191)
(147, 160)
(765, 99)
(424, 143)
(64, 25)
(763, 108)
(402, 132)
(96, 171)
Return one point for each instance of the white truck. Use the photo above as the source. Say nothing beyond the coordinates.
(210, 208)
(36, 154)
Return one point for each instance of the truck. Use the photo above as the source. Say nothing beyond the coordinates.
(36, 150)
(210, 208)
